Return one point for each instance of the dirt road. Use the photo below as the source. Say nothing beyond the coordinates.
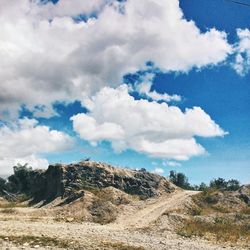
(153, 210)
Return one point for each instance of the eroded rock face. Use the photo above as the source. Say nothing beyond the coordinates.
(70, 181)
(91, 175)
(54, 185)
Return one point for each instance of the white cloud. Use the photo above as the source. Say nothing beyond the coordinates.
(242, 59)
(43, 61)
(6, 164)
(172, 164)
(47, 57)
(33, 161)
(25, 141)
(89, 129)
(70, 8)
(159, 171)
(151, 128)
(144, 88)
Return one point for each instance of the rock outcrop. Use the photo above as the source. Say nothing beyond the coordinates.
(70, 181)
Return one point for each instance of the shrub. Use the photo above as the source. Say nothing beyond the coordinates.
(220, 183)
(203, 187)
(233, 185)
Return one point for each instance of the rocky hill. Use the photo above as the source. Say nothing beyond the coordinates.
(70, 181)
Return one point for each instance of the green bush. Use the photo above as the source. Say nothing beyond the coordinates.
(220, 183)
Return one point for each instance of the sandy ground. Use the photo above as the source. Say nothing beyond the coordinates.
(133, 230)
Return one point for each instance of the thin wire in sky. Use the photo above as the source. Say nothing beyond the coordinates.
(240, 3)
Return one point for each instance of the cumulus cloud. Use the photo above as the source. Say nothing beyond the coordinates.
(152, 128)
(144, 88)
(242, 59)
(48, 57)
(89, 129)
(6, 164)
(25, 141)
(159, 171)
(70, 8)
(171, 164)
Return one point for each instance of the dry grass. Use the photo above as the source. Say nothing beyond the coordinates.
(34, 218)
(195, 210)
(208, 202)
(8, 210)
(120, 246)
(205, 204)
(109, 194)
(224, 230)
(5, 205)
(35, 240)
(103, 212)
(104, 207)
(208, 209)
(245, 210)
(220, 209)
(177, 210)
(230, 223)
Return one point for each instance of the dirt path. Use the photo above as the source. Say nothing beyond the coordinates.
(150, 213)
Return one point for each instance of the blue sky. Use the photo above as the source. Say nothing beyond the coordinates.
(221, 93)
(211, 83)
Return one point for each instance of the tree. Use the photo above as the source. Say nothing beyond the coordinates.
(180, 180)
(20, 180)
(203, 187)
(172, 176)
(233, 185)
(218, 183)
